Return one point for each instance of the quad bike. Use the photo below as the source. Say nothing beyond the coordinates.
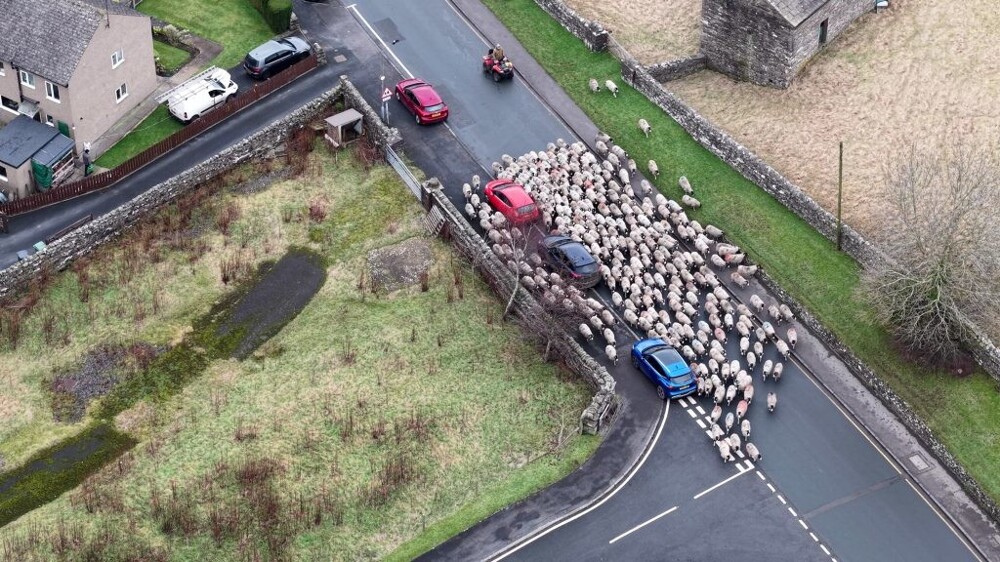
(499, 69)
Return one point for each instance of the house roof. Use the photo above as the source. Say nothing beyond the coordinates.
(49, 38)
(795, 11)
(22, 138)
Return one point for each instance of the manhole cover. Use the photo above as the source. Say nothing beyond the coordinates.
(339, 58)
(918, 463)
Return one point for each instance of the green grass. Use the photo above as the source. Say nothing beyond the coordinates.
(234, 24)
(522, 484)
(158, 126)
(963, 413)
(171, 58)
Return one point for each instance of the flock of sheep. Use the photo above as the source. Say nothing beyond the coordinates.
(659, 265)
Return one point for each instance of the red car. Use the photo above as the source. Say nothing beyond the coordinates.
(512, 200)
(423, 102)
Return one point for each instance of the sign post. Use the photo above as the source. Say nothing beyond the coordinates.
(386, 96)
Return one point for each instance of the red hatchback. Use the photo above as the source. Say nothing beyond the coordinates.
(423, 102)
(512, 200)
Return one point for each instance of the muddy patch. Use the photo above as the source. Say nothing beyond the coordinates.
(102, 368)
(393, 267)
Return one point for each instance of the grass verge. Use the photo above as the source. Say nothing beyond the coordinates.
(171, 58)
(154, 128)
(963, 413)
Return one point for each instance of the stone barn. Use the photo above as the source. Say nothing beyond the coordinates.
(768, 41)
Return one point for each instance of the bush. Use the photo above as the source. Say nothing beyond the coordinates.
(277, 13)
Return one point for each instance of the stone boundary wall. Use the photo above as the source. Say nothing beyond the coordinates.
(757, 171)
(265, 143)
(591, 33)
(526, 309)
(380, 133)
(677, 69)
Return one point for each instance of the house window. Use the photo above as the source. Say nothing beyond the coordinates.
(3, 173)
(117, 58)
(28, 79)
(121, 93)
(9, 104)
(822, 31)
(52, 91)
(50, 121)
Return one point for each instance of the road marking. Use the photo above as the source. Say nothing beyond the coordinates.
(943, 518)
(792, 511)
(701, 424)
(803, 523)
(634, 470)
(781, 499)
(690, 400)
(709, 434)
(739, 454)
(691, 413)
(700, 410)
(371, 29)
(761, 475)
(770, 487)
(726, 481)
(815, 538)
(641, 525)
(826, 550)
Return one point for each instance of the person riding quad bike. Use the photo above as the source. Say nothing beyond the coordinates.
(497, 53)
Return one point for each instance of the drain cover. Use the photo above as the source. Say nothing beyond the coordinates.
(339, 58)
(918, 463)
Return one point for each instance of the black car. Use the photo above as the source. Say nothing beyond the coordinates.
(274, 56)
(571, 260)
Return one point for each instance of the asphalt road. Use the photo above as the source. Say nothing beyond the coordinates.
(835, 495)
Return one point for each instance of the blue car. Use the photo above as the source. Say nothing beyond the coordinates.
(665, 367)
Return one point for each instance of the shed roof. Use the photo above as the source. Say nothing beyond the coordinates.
(795, 11)
(22, 138)
(49, 38)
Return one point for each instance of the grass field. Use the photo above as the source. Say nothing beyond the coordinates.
(963, 413)
(368, 422)
(170, 57)
(154, 128)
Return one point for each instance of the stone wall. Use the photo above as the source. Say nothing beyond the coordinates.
(591, 33)
(526, 309)
(744, 41)
(380, 133)
(263, 144)
(677, 69)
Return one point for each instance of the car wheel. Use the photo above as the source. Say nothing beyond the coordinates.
(635, 362)
(417, 118)
(661, 393)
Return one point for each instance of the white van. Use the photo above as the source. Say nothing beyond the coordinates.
(200, 94)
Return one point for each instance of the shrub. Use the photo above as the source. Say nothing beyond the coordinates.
(277, 13)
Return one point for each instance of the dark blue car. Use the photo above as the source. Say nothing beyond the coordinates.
(665, 367)
(571, 260)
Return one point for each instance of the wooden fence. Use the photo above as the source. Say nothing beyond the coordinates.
(137, 162)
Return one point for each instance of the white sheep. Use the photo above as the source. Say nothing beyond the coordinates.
(748, 394)
(720, 394)
(471, 211)
(611, 353)
(644, 127)
(612, 87)
(608, 318)
(730, 420)
(786, 312)
(745, 429)
(690, 201)
(756, 302)
(768, 367)
(751, 361)
(609, 336)
(741, 409)
(774, 313)
(782, 348)
(717, 432)
(778, 369)
(475, 182)
(685, 185)
(716, 413)
(739, 280)
(753, 453)
(654, 170)
(793, 337)
(466, 191)
(586, 332)
(724, 450)
(594, 86)
(734, 442)
(772, 401)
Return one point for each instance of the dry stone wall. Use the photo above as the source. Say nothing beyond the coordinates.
(526, 309)
(591, 33)
(677, 69)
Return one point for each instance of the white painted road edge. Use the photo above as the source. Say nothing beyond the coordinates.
(641, 525)
(584, 510)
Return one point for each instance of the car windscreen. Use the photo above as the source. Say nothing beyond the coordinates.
(435, 107)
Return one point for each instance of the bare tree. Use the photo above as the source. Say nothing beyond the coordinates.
(943, 247)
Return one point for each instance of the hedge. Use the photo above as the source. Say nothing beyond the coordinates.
(277, 13)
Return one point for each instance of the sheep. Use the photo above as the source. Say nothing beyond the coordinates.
(772, 401)
(616, 299)
(758, 349)
(596, 322)
(724, 450)
(476, 182)
(612, 87)
(701, 386)
(734, 442)
(793, 337)
(717, 432)
(685, 185)
(778, 369)
(653, 169)
(753, 453)
(586, 332)
(730, 420)
(786, 312)
(741, 409)
(470, 210)
(757, 303)
(747, 270)
(602, 137)
(720, 394)
(608, 318)
(466, 191)
(782, 348)
(767, 368)
(744, 345)
(609, 336)
(716, 413)
(730, 394)
(768, 330)
(739, 280)
(594, 86)
(748, 394)
(745, 429)
(774, 313)
(611, 353)
(690, 201)
(751, 361)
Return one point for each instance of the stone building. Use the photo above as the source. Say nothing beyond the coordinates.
(768, 41)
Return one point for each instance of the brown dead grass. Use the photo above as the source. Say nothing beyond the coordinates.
(652, 30)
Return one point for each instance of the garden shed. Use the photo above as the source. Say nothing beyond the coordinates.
(767, 42)
(33, 157)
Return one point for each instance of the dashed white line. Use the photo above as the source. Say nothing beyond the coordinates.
(761, 476)
(700, 410)
(709, 434)
(803, 523)
(781, 499)
(771, 487)
(701, 424)
(641, 525)
(827, 551)
(740, 454)
(377, 36)
(815, 538)
(792, 511)
(691, 413)
(726, 481)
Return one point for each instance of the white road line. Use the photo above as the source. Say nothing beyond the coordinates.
(700, 410)
(815, 538)
(803, 523)
(739, 454)
(934, 508)
(691, 413)
(371, 29)
(691, 401)
(770, 487)
(709, 434)
(792, 511)
(761, 476)
(726, 481)
(641, 525)
(781, 499)
(611, 494)
(701, 424)
(826, 550)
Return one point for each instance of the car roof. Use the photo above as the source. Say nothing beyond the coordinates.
(267, 48)
(515, 193)
(669, 361)
(576, 252)
(425, 94)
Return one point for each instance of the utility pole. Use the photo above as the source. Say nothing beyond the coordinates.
(840, 195)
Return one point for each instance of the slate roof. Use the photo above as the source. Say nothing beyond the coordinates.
(795, 11)
(22, 138)
(48, 37)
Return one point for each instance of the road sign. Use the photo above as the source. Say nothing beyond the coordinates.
(386, 94)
